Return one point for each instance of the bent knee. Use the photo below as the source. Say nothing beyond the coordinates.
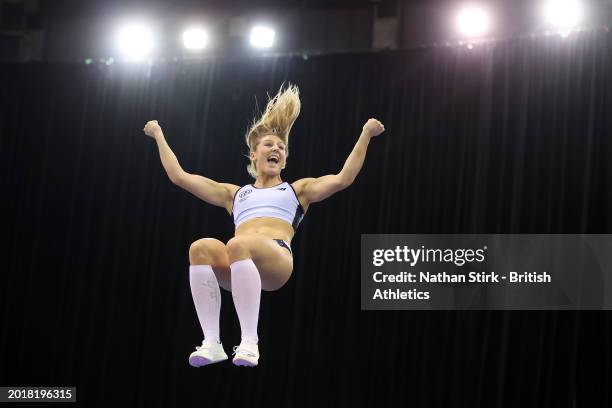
(239, 248)
(207, 251)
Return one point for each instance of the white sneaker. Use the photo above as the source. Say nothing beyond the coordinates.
(208, 353)
(246, 354)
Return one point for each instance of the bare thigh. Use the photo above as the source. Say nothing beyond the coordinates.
(210, 251)
(274, 263)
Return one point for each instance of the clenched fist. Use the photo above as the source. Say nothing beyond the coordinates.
(373, 127)
(152, 128)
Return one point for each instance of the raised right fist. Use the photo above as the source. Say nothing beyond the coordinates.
(373, 127)
(152, 128)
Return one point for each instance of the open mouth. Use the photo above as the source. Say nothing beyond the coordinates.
(273, 159)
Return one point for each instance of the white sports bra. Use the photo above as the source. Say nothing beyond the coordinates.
(279, 201)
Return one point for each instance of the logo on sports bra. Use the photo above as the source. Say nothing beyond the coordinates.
(244, 195)
(282, 188)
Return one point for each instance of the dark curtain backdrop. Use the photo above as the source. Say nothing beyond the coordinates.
(505, 138)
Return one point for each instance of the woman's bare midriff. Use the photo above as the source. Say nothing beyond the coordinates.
(273, 228)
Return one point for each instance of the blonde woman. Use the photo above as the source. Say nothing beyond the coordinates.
(266, 215)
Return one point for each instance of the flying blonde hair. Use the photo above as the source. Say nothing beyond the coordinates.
(277, 119)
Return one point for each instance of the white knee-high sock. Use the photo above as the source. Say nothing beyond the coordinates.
(207, 299)
(246, 292)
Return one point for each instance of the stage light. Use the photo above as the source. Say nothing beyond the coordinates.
(563, 14)
(195, 39)
(135, 40)
(262, 37)
(473, 20)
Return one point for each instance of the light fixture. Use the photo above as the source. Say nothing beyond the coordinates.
(195, 38)
(135, 40)
(262, 37)
(473, 20)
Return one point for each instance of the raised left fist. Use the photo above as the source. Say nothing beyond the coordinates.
(373, 127)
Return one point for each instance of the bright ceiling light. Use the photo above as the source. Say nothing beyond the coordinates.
(473, 20)
(135, 40)
(195, 38)
(262, 37)
(563, 13)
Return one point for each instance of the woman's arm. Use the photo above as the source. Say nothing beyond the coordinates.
(219, 194)
(168, 159)
(318, 189)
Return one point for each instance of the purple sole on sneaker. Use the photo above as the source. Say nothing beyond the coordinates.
(244, 363)
(197, 361)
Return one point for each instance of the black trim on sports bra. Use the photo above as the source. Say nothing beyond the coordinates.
(298, 200)
(234, 200)
(297, 218)
(299, 211)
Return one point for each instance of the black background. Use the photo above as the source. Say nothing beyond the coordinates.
(505, 138)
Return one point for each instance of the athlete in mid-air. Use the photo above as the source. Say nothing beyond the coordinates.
(266, 215)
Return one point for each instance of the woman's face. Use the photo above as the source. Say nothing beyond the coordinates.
(270, 155)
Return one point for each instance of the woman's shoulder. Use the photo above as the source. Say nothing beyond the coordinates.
(232, 188)
(298, 188)
(238, 188)
(298, 185)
